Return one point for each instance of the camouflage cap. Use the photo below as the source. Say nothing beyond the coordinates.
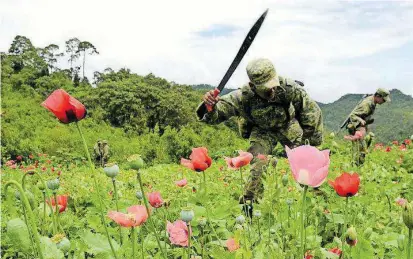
(384, 93)
(261, 72)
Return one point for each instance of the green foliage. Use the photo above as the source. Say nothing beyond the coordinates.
(19, 236)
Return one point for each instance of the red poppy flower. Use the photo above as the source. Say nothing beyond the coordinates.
(395, 142)
(19, 158)
(243, 159)
(199, 160)
(407, 142)
(61, 202)
(402, 147)
(346, 185)
(335, 250)
(31, 156)
(388, 149)
(155, 199)
(65, 107)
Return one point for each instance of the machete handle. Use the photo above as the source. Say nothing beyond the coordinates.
(210, 107)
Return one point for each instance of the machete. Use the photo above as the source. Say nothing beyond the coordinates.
(241, 52)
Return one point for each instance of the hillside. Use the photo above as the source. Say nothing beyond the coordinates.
(393, 120)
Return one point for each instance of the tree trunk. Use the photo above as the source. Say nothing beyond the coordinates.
(84, 57)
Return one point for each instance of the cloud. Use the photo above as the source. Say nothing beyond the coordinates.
(323, 43)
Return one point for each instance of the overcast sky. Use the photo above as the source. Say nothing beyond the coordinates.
(335, 47)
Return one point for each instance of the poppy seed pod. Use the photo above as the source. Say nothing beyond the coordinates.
(136, 162)
(240, 219)
(202, 221)
(111, 171)
(139, 195)
(53, 184)
(40, 185)
(257, 213)
(187, 214)
(408, 215)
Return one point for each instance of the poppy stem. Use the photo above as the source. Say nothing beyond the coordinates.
(57, 212)
(188, 225)
(205, 186)
(133, 238)
(145, 201)
(29, 213)
(344, 228)
(117, 207)
(44, 214)
(302, 222)
(409, 243)
(97, 189)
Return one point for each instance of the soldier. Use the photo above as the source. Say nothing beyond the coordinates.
(272, 109)
(105, 152)
(361, 117)
(96, 150)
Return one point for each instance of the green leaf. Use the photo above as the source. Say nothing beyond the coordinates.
(98, 244)
(50, 250)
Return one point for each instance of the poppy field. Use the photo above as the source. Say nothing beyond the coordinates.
(316, 203)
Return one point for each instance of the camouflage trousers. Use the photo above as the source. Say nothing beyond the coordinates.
(263, 142)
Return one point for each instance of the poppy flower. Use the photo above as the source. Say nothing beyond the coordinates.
(19, 158)
(243, 159)
(61, 202)
(31, 156)
(346, 185)
(65, 107)
(232, 244)
(335, 250)
(388, 149)
(401, 202)
(309, 165)
(178, 233)
(407, 142)
(308, 255)
(395, 142)
(136, 216)
(199, 160)
(10, 163)
(358, 135)
(402, 147)
(155, 199)
(181, 183)
(262, 157)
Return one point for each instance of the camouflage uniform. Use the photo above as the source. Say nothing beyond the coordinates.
(360, 117)
(290, 118)
(101, 152)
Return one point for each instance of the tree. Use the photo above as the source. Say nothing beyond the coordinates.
(84, 47)
(72, 46)
(49, 55)
(21, 45)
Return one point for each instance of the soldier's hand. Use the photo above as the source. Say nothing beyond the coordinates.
(211, 97)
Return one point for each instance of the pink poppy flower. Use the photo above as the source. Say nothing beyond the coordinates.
(10, 162)
(309, 165)
(232, 244)
(401, 201)
(136, 216)
(178, 233)
(262, 157)
(181, 183)
(243, 159)
(155, 199)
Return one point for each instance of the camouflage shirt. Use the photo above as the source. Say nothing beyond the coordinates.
(363, 112)
(291, 102)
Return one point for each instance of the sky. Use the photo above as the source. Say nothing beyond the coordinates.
(334, 47)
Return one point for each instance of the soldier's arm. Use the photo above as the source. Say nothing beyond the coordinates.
(308, 113)
(360, 112)
(227, 106)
